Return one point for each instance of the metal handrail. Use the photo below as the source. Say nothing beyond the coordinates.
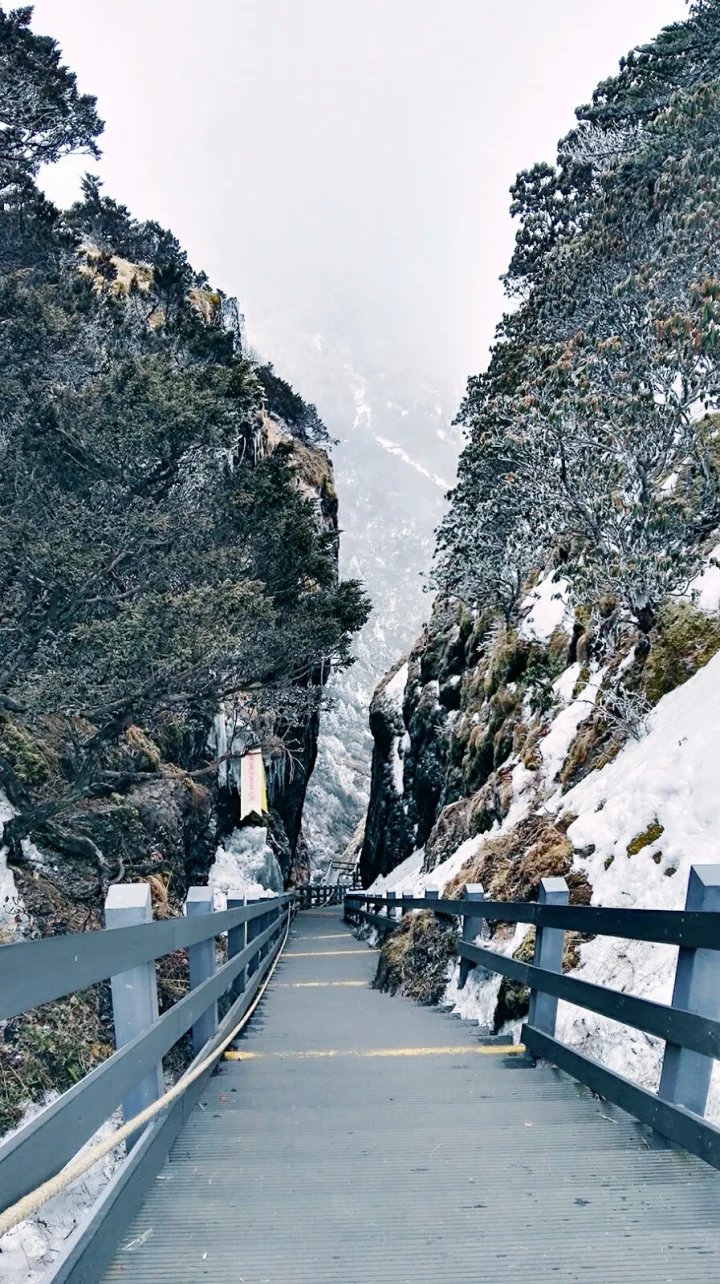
(687, 1029)
(690, 1026)
(46, 1142)
(35, 972)
(695, 930)
(49, 1140)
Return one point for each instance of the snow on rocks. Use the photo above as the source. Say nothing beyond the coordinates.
(29, 1250)
(244, 865)
(411, 875)
(555, 745)
(396, 765)
(704, 590)
(636, 826)
(394, 692)
(406, 875)
(13, 919)
(670, 776)
(477, 1001)
(546, 608)
(660, 798)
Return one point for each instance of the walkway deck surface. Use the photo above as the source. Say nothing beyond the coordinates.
(368, 1140)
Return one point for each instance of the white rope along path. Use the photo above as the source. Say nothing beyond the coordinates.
(35, 1199)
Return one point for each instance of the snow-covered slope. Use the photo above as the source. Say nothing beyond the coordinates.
(626, 834)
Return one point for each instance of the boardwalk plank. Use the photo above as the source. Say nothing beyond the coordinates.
(438, 1164)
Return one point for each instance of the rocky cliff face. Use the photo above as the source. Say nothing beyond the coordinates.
(170, 816)
(510, 752)
(166, 809)
(487, 726)
(290, 756)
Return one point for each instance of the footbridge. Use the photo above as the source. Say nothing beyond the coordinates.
(327, 1132)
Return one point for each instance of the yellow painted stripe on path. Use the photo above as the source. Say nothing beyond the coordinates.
(318, 954)
(314, 985)
(311, 1054)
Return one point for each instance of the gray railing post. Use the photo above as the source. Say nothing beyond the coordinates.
(254, 928)
(201, 965)
(549, 945)
(407, 891)
(471, 892)
(134, 993)
(432, 893)
(685, 1078)
(391, 898)
(236, 942)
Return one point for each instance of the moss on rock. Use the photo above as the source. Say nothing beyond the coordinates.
(30, 760)
(450, 830)
(685, 639)
(645, 838)
(508, 659)
(511, 866)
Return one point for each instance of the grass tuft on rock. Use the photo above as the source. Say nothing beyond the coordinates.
(415, 958)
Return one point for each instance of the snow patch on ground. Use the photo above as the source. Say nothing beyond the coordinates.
(244, 865)
(547, 608)
(29, 1250)
(671, 776)
(406, 875)
(555, 745)
(478, 999)
(13, 918)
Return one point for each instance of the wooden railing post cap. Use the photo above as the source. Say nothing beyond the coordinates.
(703, 883)
(198, 896)
(554, 888)
(128, 896)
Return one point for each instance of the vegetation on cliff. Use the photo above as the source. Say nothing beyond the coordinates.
(576, 572)
(587, 440)
(165, 545)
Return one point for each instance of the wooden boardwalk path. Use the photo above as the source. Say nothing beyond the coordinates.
(364, 1139)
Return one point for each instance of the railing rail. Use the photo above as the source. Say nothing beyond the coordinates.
(660, 927)
(690, 1025)
(319, 894)
(36, 972)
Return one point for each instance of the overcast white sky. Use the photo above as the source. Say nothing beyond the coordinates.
(343, 165)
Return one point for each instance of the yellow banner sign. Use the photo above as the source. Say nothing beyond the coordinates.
(253, 788)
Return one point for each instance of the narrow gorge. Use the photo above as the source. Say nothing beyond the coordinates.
(203, 576)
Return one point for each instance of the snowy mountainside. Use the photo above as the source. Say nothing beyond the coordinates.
(622, 821)
(392, 495)
(394, 461)
(557, 715)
